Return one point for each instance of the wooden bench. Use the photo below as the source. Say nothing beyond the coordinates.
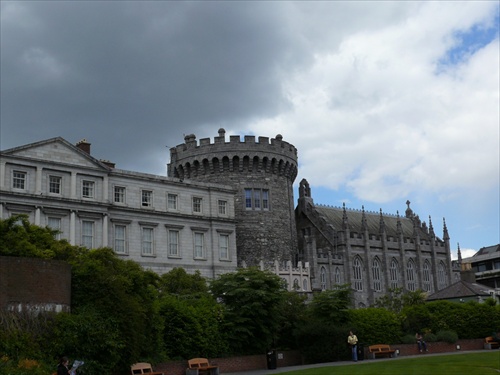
(490, 343)
(381, 350)
(143, 368)
(197, 366)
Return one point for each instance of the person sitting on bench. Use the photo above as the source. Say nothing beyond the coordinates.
(422, 345)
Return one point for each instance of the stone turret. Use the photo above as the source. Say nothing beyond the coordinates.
(263, 173)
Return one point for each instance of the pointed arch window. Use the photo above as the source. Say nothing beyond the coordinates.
(358, 274)
(410, 275)
(394, 274)
(323, 278)
(338, 276)
(426, 275)
(377, 281)
(441, 276)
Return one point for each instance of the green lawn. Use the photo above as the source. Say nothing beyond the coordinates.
(481, 363)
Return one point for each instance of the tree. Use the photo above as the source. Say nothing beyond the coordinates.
(332, 305)
(179, 282)
(252, 300)
(396, 299)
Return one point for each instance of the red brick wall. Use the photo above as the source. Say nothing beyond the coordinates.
(235, 364)
(438, 347)
(34, 282)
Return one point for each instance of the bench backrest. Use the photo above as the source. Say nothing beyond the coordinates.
(141, 368)
(379, 348)
(488, 339)
(198, 363)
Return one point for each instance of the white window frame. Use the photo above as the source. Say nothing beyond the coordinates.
(120, 240)
(88, 189)
(119, 194)
(173, 236)
(223, 246)
(88, 233)
(146, 198)
(197, 205)
(172, 202)
(256, 199)
(222, 205)
(55, 183)
(147, 241)
(19, 180)
(199, 245)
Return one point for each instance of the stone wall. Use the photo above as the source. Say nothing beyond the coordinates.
(34, 284)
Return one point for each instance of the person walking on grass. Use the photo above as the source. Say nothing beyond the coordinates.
(352, 340)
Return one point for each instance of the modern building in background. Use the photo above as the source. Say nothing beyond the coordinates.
(223, 205)
(485, 264)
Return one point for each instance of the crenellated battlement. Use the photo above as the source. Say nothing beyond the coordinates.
(195, 159)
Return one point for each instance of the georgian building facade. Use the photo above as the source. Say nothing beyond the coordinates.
(159, 222)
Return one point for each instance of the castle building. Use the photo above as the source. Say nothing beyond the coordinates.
(223, 205)
(262, 174)
(374, 252)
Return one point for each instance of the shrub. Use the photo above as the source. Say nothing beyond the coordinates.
(375, 325)
(450, 337)
(430, 337)
(408, 339)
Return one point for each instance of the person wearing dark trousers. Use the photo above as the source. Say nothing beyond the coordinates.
(422, 345)
(62, 368)
(352, 340)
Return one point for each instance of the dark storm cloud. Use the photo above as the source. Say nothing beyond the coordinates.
(138, 75)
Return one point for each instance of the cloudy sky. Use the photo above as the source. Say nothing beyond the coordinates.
(385, 101)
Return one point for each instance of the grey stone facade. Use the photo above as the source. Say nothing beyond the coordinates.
(373, 252)
(147, 218)
(262, 173)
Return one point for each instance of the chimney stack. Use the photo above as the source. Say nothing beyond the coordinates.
(84, 146)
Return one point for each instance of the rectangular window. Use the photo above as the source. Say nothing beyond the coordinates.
(55, 185)
(265, 199)
(119, 194)
(19, 180)
(172, 201)
(147, 241)
(55, 223)
(198, 245)
(120, 239)
(222, 207)
(88, 234)
(197, 204)
(248, 198)
(147, 198)
(257, 199)
(88, 189)
(173, 243)
(224, 246)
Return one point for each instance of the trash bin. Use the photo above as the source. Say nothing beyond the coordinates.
(361, 351)
(271, 359)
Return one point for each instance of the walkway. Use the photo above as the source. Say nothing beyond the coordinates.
(329, 364)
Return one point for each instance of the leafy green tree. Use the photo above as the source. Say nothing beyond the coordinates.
(375, 325)
(253, 300)
(179, 282)
(396, 299)
(332, 305)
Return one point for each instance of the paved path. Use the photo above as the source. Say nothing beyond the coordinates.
(328, 364)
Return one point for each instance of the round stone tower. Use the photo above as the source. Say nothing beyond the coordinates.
(262, 173)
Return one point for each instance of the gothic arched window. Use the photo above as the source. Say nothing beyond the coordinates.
(410, 275)
(441, 276)
(338, 276)
(377, 282)
(427, 285)
(322, 277)
(394, 274)
(358, 274)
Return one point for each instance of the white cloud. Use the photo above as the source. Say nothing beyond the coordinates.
(378, 116)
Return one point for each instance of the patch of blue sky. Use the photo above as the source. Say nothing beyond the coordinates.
(468, 42)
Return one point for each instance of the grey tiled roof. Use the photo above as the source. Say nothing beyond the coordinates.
(461, 289)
